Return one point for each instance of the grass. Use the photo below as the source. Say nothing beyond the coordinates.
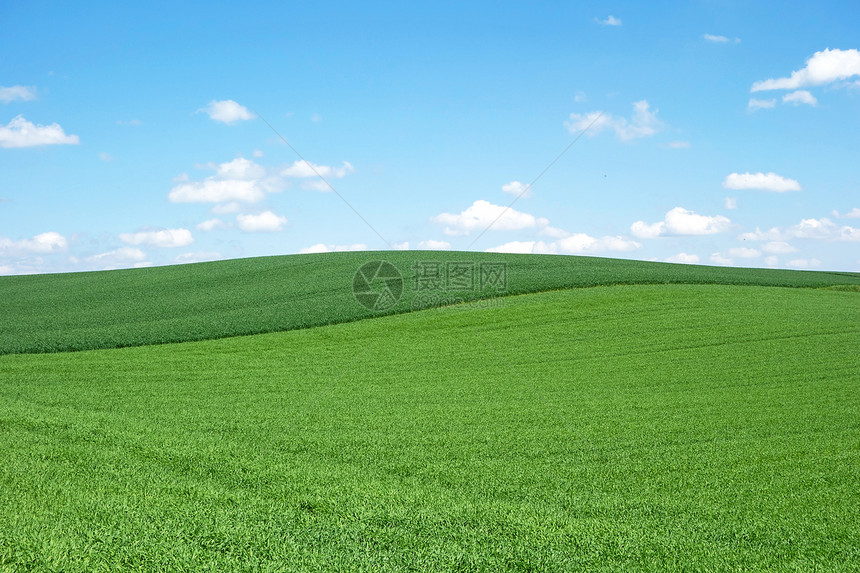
(648, 427)
(82, 311)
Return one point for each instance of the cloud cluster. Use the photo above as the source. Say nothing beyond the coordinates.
(482, 214)
(642, 123)
(240, 180)
(43, 243)
(576, 244)
(680, 221)
(818, 229)
(822, 68)
(21, 133)
(323, 248)
(159, 238)
(304, 170)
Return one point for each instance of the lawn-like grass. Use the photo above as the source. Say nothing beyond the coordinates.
(650, 427)
(80, 311)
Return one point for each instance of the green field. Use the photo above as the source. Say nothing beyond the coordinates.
(84, 311)
(646, 425)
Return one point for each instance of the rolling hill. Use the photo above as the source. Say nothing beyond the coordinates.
(677, 418)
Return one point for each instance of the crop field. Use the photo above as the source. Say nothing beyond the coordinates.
(84, 311)
(671, 417)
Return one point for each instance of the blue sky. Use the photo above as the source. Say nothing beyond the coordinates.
(715, 132)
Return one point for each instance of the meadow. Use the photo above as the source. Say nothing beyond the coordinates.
(642, 426)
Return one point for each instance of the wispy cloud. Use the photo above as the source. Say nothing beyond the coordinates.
(643, 122)
(159, 238)
(609, 21)
(17, 93)
(720, 39)
(757, 104)
(762, 181)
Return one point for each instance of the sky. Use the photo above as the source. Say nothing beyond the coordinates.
(712, 132)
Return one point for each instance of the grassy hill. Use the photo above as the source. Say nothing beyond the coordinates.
(641, 427)
(672, 417)
(81, 311)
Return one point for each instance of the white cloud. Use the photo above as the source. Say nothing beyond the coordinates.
(730, 202)
(822, 68)
(323, 248)
(197, 257)
(210, 224)
(680, 221)
(816, 229)
(433, 245)
(21, 133)
(518, 189)
(643, 122)
(404, 246)
(42, 243)
(225, 208)
(481, 214)
(679, 144)
(578, 243)
(683, 258)
(744, 253)
(17, 93)
(719, 259)
(214, 191)
(799, 97)
(852, 214)
(239, 180)
(520, 247)
(227, 111)
(763, 181)
(720, 39)
(804, 263)
(554, 232)
(757, 104)
(583, 243)
(771, 261)
(162, 238)
(265, 221)
(240, 168)
(307, 169)
(122, 257)
(778, 248)
(610, 21)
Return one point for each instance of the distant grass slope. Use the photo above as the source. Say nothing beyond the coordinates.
(80, 311)
(633, 428)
